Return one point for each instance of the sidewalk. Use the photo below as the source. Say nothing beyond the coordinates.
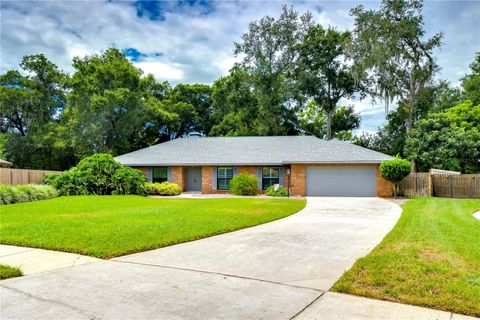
(33, 261)
(477, 215)
(332, 305)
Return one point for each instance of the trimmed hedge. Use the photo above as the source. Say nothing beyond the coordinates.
(395, 170)
(244, 185)
(162, 189)
(26, 193)
(281, 192)
(98, 174)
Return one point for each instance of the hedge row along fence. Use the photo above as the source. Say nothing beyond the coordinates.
(14, 177)
(441, 185)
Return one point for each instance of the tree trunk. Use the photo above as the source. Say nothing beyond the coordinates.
(408, 129)
(329, 124)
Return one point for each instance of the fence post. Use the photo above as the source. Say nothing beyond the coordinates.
(415, 184)
(429, 185)
(450, 185)
(472, 187)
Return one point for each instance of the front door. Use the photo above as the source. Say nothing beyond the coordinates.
(194, 179)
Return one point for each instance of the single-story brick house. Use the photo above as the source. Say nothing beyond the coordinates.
(310, 166)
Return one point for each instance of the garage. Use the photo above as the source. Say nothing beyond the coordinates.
(341, 181)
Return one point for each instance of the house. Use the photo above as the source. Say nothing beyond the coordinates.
(5, 163)
(310, 166)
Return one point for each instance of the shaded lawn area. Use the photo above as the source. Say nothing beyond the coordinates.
(111, 226)
(431, 258)
(9, 272)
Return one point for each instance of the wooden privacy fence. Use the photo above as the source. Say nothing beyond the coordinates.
(417, 185)
(22, 176)
(441, 185)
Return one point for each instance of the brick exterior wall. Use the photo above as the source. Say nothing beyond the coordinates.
(297, 179)
(297, 183)
(251, 170)
(384, 187)
(207, 180)
(143, 169)
(178, 176)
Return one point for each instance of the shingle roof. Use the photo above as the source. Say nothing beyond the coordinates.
(270, 150)
(5, 163)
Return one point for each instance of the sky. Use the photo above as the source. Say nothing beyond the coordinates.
(191, 41)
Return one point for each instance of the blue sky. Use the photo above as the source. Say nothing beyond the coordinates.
(192, 41)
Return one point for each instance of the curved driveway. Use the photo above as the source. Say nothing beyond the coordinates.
(272, 271)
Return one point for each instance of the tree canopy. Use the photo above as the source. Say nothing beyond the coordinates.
(324, 72)
(293, 76)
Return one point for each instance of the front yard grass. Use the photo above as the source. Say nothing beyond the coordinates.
(431, 258)
(9, 272)
(111, 226)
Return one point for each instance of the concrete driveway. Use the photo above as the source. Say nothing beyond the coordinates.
(272, 271)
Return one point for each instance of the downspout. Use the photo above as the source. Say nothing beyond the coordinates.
(288, 184)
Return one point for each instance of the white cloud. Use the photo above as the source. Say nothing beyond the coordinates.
(160, 70)
(198, 47)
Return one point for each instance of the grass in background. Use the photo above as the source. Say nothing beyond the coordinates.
(431, 258)
(9, 272)
(111, 226)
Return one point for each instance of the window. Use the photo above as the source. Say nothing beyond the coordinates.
(159, 174)
(224, 175)
(270, 176)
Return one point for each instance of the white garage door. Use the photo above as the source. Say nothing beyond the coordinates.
(341, 181)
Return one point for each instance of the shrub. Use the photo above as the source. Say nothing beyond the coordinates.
(162, 189)
(50, 179)
(71, 183)
(128, 181)
(26, 193)
(6, 194)
(244, 185)
(395, 171)
(98, 174)
(280, 192)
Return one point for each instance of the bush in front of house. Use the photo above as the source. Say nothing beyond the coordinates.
(50, 178)
(129, 181)
(280, 192)
(162, 189)
(98, 174)
(244, 185)
(395, 170)
(26, 193)
(69, 183)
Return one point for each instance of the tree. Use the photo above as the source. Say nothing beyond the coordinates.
(269, 51)
(447, 140)
(471, 82)
(199, 97)
(395, 171)
(390, 52)
(234, 109)
(324, 74)
(313, 121)
(105, 111)
(31, 106)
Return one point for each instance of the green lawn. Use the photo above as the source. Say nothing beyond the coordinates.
(431, 258)
(110, 226)
(9, 272)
